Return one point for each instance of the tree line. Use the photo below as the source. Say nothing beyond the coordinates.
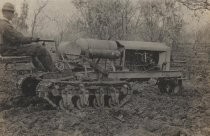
(154, 20)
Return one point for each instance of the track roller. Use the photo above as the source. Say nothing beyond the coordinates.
(99, 100)
(114, 97)
(78, 103)
(84, 96)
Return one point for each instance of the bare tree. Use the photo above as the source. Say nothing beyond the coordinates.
(121, 19)
(37, 12)
(61, 22)
(161, 21)
(105, 19)
(196, 4)
(202, 35)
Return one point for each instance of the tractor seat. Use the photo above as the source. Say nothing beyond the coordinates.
(15, 59)
(17, 62)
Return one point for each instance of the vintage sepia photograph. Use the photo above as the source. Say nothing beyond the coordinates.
(104, 67)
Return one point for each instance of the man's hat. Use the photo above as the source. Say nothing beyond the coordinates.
(8, 7)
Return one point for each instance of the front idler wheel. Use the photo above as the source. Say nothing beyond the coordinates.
(28, 86)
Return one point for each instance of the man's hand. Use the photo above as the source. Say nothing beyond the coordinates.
(35, 39)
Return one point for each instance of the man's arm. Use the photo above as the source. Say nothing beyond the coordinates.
(15, 37)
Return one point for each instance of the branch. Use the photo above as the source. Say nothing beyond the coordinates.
(195, 4)
(36, 14)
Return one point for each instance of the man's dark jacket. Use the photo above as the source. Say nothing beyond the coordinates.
(11, 37)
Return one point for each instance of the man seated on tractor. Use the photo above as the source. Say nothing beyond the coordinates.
(15, 44)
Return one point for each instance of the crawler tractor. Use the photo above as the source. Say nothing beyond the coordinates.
(98, 73)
